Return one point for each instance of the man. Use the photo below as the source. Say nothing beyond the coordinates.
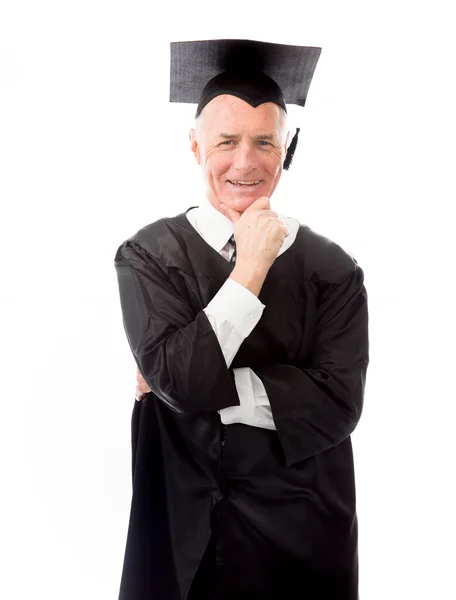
(252, 354)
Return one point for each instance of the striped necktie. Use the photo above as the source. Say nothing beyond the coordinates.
(233, 258)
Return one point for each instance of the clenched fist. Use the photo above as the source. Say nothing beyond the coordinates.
(142, 387)
(259, 233)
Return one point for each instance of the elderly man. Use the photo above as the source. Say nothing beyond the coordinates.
(250, 333)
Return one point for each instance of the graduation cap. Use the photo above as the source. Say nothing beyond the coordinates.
(256, 72)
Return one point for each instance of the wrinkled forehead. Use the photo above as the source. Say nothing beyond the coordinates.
(229, 111)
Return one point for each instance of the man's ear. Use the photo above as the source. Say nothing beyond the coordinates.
(194, 146)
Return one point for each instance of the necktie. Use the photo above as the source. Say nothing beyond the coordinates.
(233, 258)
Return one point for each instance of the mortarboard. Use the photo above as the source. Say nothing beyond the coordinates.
(256, 72)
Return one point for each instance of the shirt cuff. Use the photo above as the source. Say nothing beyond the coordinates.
(259, 391)
(236, 304)
(244, 413)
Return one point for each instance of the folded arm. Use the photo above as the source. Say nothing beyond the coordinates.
(178, 355)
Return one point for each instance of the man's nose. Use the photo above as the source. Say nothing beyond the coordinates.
(244, 159)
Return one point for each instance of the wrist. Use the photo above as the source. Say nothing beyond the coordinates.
(250, 276)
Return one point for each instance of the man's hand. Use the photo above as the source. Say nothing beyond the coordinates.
(142, 387)
(259, 234)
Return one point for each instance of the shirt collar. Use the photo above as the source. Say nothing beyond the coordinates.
(215, 228)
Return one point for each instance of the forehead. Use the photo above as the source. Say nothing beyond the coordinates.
(230, 111)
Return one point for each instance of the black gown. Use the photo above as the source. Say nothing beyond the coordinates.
(272, 512)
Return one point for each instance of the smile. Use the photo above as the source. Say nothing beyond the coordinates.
(243, 183)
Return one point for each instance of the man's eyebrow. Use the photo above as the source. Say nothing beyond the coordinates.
(263, 136)
(229, 136)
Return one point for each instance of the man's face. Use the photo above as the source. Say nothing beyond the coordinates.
(241, 150)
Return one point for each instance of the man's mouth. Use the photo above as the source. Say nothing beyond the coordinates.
(242, 183)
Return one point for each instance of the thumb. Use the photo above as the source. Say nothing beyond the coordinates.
(264, 202)
(232, 214)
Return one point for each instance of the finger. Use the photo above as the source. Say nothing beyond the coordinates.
(143, 389)
(263, 203)
(286, 230)
(233, 215)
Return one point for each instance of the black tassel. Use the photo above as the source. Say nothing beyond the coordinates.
(291, 150)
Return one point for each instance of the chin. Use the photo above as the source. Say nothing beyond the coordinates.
(237, 197)
(239, 203)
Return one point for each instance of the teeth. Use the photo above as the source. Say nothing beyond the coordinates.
(245, 182)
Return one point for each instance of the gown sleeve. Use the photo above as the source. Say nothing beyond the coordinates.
(176, 351)
(317, 405)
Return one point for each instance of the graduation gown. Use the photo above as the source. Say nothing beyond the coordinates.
(275, 511)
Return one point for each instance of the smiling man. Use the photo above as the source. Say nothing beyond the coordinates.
(240, 149)
(250, 333)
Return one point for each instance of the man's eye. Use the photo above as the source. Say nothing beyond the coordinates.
(264, 142)
(227, 142)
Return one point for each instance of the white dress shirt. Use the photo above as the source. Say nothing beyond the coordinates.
(233, 313)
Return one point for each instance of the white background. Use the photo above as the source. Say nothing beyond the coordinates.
(91, 150)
